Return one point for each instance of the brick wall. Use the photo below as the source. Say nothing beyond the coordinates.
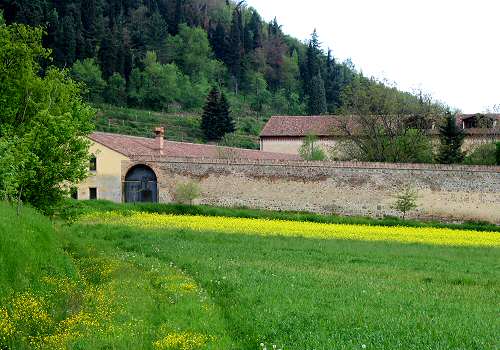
(449, 192)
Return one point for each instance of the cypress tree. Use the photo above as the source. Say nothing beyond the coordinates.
(317, 98)
(234, 55)
(452, 138)
(332, 86)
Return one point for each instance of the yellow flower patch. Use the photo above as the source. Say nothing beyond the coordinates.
(182, 341)
(436, 236)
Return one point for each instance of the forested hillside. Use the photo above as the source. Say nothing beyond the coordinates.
(164, 55)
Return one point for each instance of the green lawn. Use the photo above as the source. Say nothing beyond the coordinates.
(162, 286)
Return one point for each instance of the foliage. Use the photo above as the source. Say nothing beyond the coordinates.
(310, 150)
(452, 138)
(116, 93)
(406, 201)
(89, 72)
(482, 155)
(186, 193)
(44, 122)
(497, 153)
(198, 44)
(216, 119)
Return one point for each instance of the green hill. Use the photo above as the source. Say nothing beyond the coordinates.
(164, 55)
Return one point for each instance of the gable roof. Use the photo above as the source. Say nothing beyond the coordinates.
(329, 125)
(298, 126)
(132, 146)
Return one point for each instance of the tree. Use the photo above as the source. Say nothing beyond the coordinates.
(310, 150)
(46, 120)
(235, 53)
(216, 120)
(497, 154)
(186, 193)
(317, 97)
(451, 138)
(406, 201)
(210, 114)
(116, 93)
(191, 51)
(89, 72)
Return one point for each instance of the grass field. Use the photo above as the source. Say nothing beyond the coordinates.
(153, 281)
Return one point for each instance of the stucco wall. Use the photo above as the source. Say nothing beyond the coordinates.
(291, 145)
(449, 192)
(107, 177)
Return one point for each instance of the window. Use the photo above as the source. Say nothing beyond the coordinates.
(74, 193)
(92, 193)
(93, 163)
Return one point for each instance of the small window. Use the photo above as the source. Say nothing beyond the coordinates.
(74, 193)
(93, 163)
(92, 193)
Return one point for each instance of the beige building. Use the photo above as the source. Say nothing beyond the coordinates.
(286, 134)
(118, 170)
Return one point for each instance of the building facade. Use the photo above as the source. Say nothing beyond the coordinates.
(286, 134)
(119, 169)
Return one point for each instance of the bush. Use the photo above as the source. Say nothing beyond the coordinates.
(406, 201)
(310, 149)
(186, 193)
(498, 154)
(483, 155)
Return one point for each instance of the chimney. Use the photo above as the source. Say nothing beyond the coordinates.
(160, 137)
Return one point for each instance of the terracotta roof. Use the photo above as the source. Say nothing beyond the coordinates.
(300, 126)
(493, 116)
(328, 126)
(132, 146)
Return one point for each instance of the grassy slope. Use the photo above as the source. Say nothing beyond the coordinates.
(183, 127)
(324, 293)
(86, 295)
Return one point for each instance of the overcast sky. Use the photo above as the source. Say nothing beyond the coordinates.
(450, 48)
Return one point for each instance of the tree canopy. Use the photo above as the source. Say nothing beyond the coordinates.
(43, 122)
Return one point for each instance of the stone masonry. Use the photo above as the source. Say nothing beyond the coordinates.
(347, 188)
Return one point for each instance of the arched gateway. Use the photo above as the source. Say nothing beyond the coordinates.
(140, 185)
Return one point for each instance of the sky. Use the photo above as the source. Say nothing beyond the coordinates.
(448, 48)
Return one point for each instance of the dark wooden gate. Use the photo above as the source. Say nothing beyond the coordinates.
(140, 185)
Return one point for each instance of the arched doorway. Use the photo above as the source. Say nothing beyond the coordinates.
(141, 185)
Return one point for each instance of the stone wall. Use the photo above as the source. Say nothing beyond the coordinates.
(446, 192)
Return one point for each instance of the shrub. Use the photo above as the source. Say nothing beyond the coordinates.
(406, 201)
(498, 154)
(310, 149)
(186, 193)
(483, 155)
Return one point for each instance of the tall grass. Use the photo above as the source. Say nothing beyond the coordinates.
(29, 249)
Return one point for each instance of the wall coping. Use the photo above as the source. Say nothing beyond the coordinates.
(321, 164)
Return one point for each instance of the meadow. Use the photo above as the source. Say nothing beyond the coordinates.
(136, 280)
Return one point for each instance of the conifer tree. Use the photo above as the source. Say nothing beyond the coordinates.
(332, 86)
(209, 118)
(234, 55)
(452, 138)
(216, 120)
(317, 98)
(225, 121)
(218, 41)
